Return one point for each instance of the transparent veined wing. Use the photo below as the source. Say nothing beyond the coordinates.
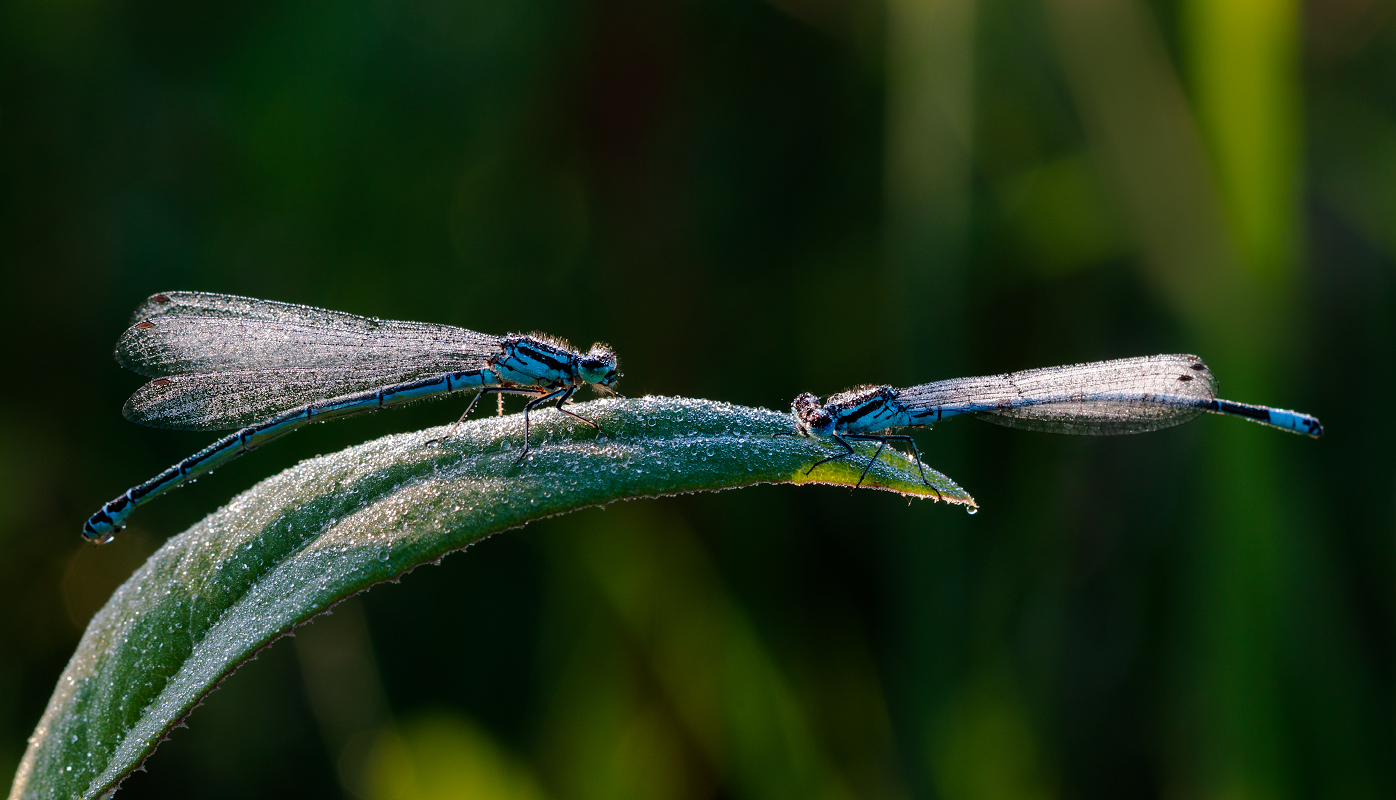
(231, 306)
(1128, 395)
(224, 400)
(180, 333)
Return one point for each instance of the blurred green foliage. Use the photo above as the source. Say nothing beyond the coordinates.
(749, 200)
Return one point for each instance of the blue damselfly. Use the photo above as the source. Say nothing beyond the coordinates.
(1104, 398)
(268, 368)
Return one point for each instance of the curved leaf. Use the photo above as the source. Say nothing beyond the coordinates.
(297, 543)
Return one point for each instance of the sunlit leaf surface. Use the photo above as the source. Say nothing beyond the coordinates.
(297, 543)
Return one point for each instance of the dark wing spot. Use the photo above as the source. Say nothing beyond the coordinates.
(160, 298)
(146, 325)
(1199, 366)
(160, 382)
(1184, 377)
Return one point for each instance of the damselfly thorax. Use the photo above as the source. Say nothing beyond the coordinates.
(527, 360)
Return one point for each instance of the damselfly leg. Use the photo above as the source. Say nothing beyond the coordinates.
(542, 397)
(563, 395)
(499, 390)
(882, 444)
(883, 440)
(846, 447)
(567, 398)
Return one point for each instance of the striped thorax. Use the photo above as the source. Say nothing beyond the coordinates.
(533, 360)
(861, 410)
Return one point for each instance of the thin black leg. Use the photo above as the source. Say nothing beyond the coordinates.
(882, 443)
(499, 390)
(567, 397)
(901, 438)
(566, 393)
(532, 404)
(840, 440)
(880, 447)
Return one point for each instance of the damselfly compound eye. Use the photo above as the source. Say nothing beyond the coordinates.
(599, 366)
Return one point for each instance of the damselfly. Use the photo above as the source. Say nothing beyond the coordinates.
(1105, 398)
(268, 368)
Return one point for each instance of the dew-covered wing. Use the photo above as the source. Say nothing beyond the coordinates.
(1128, 395)
(184, 333)
(213, 402)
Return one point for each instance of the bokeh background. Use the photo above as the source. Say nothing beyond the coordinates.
(748, 200)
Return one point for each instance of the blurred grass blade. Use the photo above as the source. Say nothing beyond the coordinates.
(299, 542)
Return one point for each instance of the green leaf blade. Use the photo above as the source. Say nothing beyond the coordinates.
(297, 543)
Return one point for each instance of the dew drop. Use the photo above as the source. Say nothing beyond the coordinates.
(972, 510)
(383, 554)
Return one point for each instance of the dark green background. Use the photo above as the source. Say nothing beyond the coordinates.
(749, 200)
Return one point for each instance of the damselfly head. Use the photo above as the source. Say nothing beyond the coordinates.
(599, 366)
(811, 418)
